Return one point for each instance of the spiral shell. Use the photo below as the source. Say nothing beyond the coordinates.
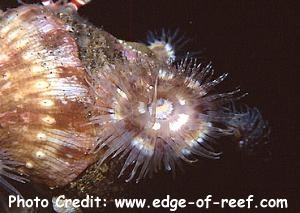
(43, 95)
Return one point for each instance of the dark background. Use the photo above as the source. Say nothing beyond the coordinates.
(256, 42)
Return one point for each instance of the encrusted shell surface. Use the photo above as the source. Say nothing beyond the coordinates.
(43, 96)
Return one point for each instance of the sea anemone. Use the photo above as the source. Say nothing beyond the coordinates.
(251, 132)
(157, 115)
(166, 44)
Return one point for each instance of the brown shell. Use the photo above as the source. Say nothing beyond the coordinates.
(43, 97)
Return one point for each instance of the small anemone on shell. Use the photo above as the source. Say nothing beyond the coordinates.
(155, 116)
(250, 131)
(7, 170)
(166, 44)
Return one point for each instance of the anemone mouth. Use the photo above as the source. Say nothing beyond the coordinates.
(155, 116)
(164, 109)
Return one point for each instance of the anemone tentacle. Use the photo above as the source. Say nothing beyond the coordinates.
(7, 169)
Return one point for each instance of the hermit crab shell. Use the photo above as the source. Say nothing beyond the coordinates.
(43, 97)
(71, 95)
